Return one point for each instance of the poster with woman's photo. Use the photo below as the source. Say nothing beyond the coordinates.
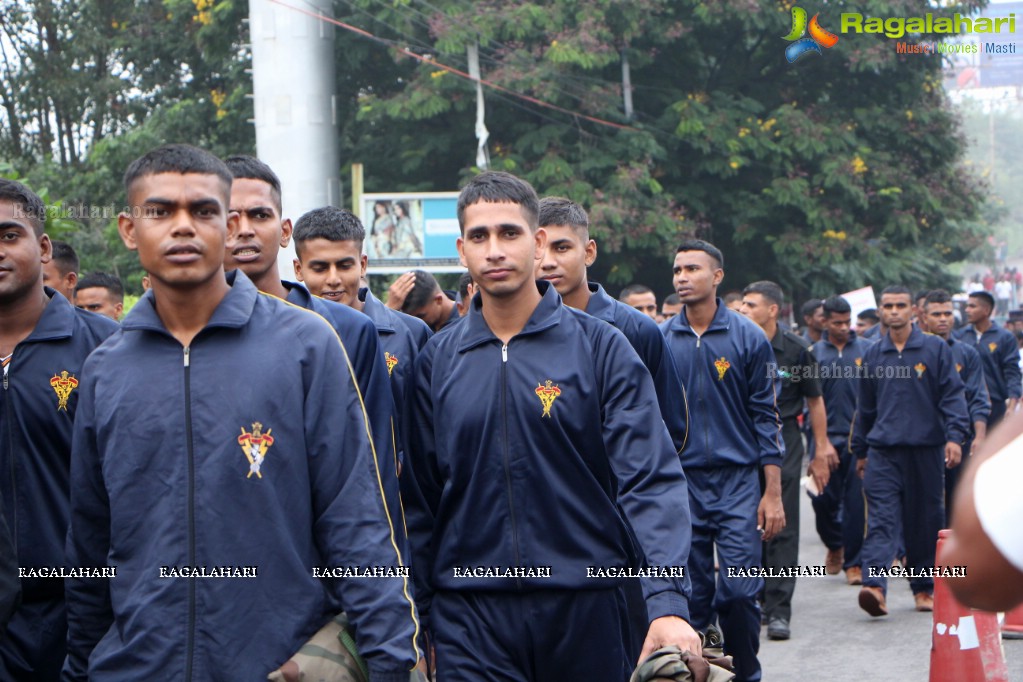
(409, 229)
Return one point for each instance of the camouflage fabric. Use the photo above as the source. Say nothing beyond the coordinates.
(330, 656)
(671, 664)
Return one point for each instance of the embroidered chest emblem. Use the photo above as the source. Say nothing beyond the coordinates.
(255, 445)
(959, 368)
(62, 386)
(992, 346)
(547, 393)
(391, 361)
(721, 365)
(920, 369)
(859, 362)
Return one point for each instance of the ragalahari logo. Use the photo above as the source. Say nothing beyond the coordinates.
(818, 38)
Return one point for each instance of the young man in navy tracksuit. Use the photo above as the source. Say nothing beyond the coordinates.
(723, 358)
(938, 311)
(541, 472)
(253, 249)
(44, 341)
(999, 354)
(223, 432)
(912, 422)
(328, 243)
(839, 508)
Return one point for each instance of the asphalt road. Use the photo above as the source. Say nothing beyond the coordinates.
(833, 640)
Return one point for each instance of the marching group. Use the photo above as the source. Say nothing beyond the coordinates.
(534, 481)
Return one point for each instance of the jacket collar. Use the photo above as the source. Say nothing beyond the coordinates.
(57, 320)
(825, 339)
(993, 327)
(548, 312)
(298, 294)
(376, 311)
(600, 305)
(232, 313)
(721, 321)
(915, 340)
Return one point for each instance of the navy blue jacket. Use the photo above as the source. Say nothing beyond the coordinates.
(911, 399)
(646, 339)
(358, 336)
(40, 398)
(172, 467)
(972, 373)
(733, 412)
(401, 337)
(840, 371)
(537, 454)
(999, 355)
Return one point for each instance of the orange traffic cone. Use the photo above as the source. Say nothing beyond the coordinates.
(965, 644)
(1012, 628)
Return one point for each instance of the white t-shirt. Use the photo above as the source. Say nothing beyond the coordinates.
(1003, 289)
(999, 503)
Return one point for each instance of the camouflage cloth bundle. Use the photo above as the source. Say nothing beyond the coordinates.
(671, 664)
(330, 656)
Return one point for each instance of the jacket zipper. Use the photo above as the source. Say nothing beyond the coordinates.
(507, 464)
(10, 454)
(706, 431)
(190, 638)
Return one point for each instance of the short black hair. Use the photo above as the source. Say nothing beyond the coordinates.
(836, 305)
(768, 290)
(64, 257)
(810, 308)
(672, 299)
(104, 280)
(700, 245)
(733, 296)
(869, 314)
(921, 294)
(331, 223)
(463, 284)
(984, 296)
(634, 289)
(562, 211)
(247, 167)
(422, 291)
(499, 187)
(177, 158)
(938, 296)
(31, 206)
(896, 289)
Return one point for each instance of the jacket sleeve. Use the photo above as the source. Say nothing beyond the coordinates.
(89, 611)
(652, 489)
(10, 585)
(952, 400)
(763, 402)
(866, 407)
(421, 483)
(352, 523)
(977, 397)
(1008, 352)
(362, 346)
(671, 393)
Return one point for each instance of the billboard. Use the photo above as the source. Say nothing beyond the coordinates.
(411, 231)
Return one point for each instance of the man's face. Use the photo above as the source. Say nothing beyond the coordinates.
(940, 318)
(332, 270)
(837, 327)
(498, 248)
(696, 276)
(433, 313)
(261, 232)
(179, 226)
(644, 303)
(99, 300)
(977, 310)
(566, 258)
(670, 310)
(862, 325)
(22, 254)
(896, 310)
(815, 321)
(59, 282)
(759, 309)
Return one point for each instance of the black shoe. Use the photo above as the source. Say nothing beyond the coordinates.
(778, 628)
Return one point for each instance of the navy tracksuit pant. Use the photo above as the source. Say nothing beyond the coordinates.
(723, 502)
(839, 509)
(538, 636)
(35, 644)
(906, 483)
